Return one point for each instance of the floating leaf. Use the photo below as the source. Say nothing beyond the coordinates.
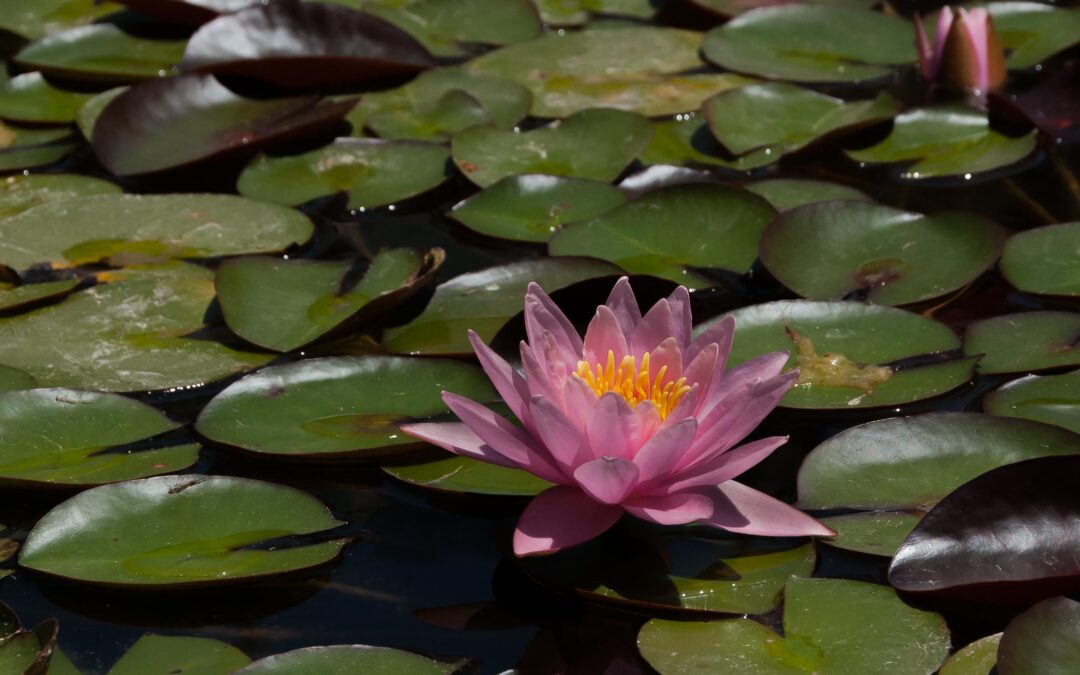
(32, 19)
(831, 249)
(88, 115)
(688, 142)
(29, 295)
(1044, 260)
(977, 658)
(165, 655)
(729, 8)
(577, 12)
(484, 301)
(790, 193)
(1030, 32)
(336, 407)
(462, 474)
(664, 232)
(19, 193)
(374, 172)
(1016, 343)
(31, 98)
(946, 141)
(103, 52)
(596, 144)
(193, 12)
(872, 532)
(1054, 399)
(812, 43)
(1053, 105)
(442, 25)
(12, 379)
(29, 652)
(350, 659)
(831, 627)
(207, 530)
(1042, 640)
(33, 147)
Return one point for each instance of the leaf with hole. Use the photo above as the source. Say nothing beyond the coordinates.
(871, 532)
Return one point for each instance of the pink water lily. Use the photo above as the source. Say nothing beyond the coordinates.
(966, 51)
(637, 418)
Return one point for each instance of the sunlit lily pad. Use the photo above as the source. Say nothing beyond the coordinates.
(578, 12)
(350, 659)
(868, 337)
(484, 301)
(285, 304)
(789, 193)
(908, 462)
(444, 25)
(729, 8)
(689, 142)
(812, 43)
(336, 406)
(831, 627)
(32, 19)
(977, 658)
(785, 118)
(534, 207)
(29, 295)
(831, 249)
(133, 228)
(872, 532)
(31, 98)
(164, 654)
(1044, 260)
(946, 141)
(102, 52)
(596, 144)
(19, 193)
(668, 230)
(144, 335)
(373, 172)
(206, 529)
(1054, 399)
(1044, 639)
(462, 474)
(1016, 343)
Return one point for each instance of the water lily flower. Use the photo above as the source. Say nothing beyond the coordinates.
(966, 51)
(637, 418)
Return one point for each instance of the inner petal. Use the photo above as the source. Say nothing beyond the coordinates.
(636, 381)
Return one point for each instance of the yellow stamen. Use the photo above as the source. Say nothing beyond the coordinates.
(633, 383)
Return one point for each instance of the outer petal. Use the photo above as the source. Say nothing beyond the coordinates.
(542, 314)
(656, 327)
(623, 303)
(565, 442)
(560, 517)
(611, 430)
(741, 509)
(603, 335)
(674, 509)
(658, 455)
(510, 385)
(763, 367)
(720, 333)
(458, 439)
(681, 321)
(726, 465)
(607, 480)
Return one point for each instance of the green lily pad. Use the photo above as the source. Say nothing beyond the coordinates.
(28, 295)
(29, 651)
(977, 658)
(1044, 640)
(102, 53)
(790, 193)
(1053, 399)
(812, 43)
(830, 249)
(60, 664)
(133, 228)
(145, 335)
(169, 655)
(31, 98)
(207, 530)
(484, 301)
(534, 207)
(638, 69)
(336, 407)
(729, 8)
(33, 147)
(13, 379)
(831, 627)
(596, 144)
(1016, 343)
(64, 437)
(285, 304)
(785, 118)
(441, 25)
(439, 103)
(578, 12)
(685, 140)
(342, 659)
(32, 19)
(89, 113)
(1044, 260)
(19, 193)
(872, 532)
(909, 462)
(868, 337)
(462, 474)
(946, 141)
(672, 228)
(1031, 32)
(373, 172)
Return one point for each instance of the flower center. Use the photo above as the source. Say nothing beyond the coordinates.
(633, 383)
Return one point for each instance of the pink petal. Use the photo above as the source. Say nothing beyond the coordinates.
(602, 336)
(703, 369)
(762, 399)
(763, 367)
(656, 327)
(923, 49)
(611, 429)
(537, 378)
(658, 455)
(566, 443)
(644, 424)
(669, 354)
(674, 509)
(714, 430)
(974, 22)
(681, 321)
(941, 34)
(542, 314)
(458, 439)
(560, 517)
(607, 479)
(738, 508)
(727, 465)
(510, 385)
(720, 333)
(579, 401)
(623, 303)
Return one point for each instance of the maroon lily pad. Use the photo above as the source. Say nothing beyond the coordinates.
(1053, 105)
(190, 12)
(303, 45)
(177, 122)
(1008, 536)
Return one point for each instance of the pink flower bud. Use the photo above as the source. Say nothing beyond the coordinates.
(966, 51)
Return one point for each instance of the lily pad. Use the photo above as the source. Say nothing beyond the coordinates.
(88, 114)
(686, 140)
(12, 379)
(29, 147)
(20, 192)
(790, 193)
(878, 346)
(1016, 343)
(133, 228)
(908, 462)
(374, 172)
(729, 8)
(32, 19)
(831, 249)
(1042, 640)
(350, 659)
(872, 532)
(1044, 260)
(29, 651)
(597, 144)
(31, 98)
(578, 12)
(946, 141)
(831, 627)
(534, 207)
(462, 474)
(785, 118)
(1054, 399)
(665, 231)
(336, 407)
(28, 295)
(207, 530)
(103, 52)
(977, 658)
(144, 335)
(167, 655)
(443, 26)
(812, 43)
(184, 120)
(484, 301)
(638, 69)
(194, 12)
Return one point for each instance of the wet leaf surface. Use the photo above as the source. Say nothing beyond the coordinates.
(872, 532)
(1054, 399)
(1016, 343)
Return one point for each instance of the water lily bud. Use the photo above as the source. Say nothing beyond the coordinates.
(966, 51)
